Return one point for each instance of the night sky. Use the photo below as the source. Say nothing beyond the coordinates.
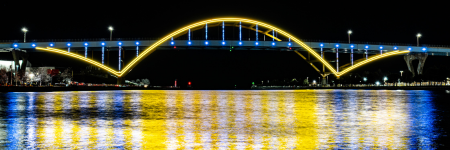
(370, 21)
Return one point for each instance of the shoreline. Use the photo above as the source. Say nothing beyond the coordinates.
(99, 88)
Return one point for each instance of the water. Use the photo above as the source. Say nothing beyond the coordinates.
(300, 119)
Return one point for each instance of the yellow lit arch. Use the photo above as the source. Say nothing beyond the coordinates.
(146, 52)
(183, 30)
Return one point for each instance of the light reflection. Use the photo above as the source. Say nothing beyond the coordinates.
(301, 119)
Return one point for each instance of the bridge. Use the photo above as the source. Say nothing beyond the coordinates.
(183, 39)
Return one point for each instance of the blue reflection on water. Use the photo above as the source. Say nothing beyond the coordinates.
(422, 120)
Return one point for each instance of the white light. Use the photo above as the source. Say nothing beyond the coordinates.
(103, 43)
(337, 45)
(419, 35)
(395, 48)
(189, 43)
(409, 48)
(240, 43)
(381, 47)
(206, 43)
(120, 43)
(24, 29)
(15, 45)
(273, 43)
(33, 45)
(68, 44)
(349, 32)
(424, 49)
(137, 43)
(110, 28)
(256, 43)
(321, 45)
(51, 44)
(223, 43)
(289, 44)
(367, 47)
(172, 43)
(85, 44)
(352, 46)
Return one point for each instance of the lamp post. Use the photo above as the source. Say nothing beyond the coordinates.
(349, 32)
(110, 35)
(385, 78)
(418, 36)
(401, 73)
(24, 30)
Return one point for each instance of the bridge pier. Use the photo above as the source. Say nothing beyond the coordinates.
(20, 69)
(421, 57)
(120, 80)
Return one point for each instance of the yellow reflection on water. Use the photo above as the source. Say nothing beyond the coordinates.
(153, 119)
(305, 119)
(156, 119)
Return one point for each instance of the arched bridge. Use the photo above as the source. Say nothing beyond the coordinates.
(182, 38)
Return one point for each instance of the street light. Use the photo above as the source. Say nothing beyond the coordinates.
(349, 32)
(401, 73)
(24, 30)
(110, 35)
(418, 36)
(385, 78)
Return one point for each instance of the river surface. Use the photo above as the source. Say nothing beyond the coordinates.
(291, 119)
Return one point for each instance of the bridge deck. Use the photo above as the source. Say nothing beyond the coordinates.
(225, 45)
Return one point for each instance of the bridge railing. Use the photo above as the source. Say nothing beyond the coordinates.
(216, 38)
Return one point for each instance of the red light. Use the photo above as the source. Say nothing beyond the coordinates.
(290, 47)
(175, 47)
(189, 83)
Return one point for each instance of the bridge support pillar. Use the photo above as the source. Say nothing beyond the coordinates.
(421, 57)
(20, 69)
(120, 80)
(324, 81)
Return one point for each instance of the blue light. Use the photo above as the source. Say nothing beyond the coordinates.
(367, 47)
(172, 43)
(206, 43)
(223, 43)
(256, 43)
(33, 45)
(381, 47)
(240, 43)
(289, 43)
(189, 42)
(51, 45)
(273, 43)
(409, 48)
(352, 46)
(337, 45)
(86, 44)
(395, 47)
(103, 43)
(137, 43)
(68, 44)
(120, 43)
(321, 45)
(424, 49)
(15, 45)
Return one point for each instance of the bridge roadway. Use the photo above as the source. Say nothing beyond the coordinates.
(225, 45)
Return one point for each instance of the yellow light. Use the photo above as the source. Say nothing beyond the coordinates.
(146, 52)
(48, 49)
(150, 49)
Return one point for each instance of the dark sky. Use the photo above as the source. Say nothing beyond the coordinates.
(371, 21)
